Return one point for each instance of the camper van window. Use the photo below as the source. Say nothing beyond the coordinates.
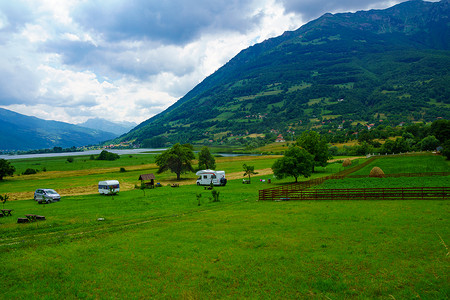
(205, 177)
(214, 176)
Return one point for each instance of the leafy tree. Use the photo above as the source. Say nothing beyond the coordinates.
(441, 130)
(317, 146)
(6, 169)
(176, 159)
(387, 147)
(429, 143)
(205, 159)
(446, 149)
(295, 162)
(249, 170)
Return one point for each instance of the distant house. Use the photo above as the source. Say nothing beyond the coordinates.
(280, 139)
(147, 179)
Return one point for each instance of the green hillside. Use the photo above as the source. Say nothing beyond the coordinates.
(391, 65)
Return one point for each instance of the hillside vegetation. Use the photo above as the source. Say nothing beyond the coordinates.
(375, 66)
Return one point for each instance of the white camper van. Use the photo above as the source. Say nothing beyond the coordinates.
(108, 187)
(205, 177)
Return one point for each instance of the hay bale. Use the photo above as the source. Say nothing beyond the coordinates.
(347, 162)
(376, 172)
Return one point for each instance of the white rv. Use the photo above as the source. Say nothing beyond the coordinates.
(108, 187)
(205, 177)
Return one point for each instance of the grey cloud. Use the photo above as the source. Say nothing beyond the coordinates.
(170, 22)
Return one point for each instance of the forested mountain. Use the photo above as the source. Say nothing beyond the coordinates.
(389, 65)
(20, 132)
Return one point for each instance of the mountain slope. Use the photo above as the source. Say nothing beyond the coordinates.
(107, 126)
(20, 132)
(391, 64)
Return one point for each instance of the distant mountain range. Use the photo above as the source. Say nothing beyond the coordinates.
(117, 128)
(391, 65)
(20, 132)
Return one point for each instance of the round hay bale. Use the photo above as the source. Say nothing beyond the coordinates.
(347, 162)
(376, 172)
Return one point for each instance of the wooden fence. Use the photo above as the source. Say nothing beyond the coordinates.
(420, 193)
(291, 191)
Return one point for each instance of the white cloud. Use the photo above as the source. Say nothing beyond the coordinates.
(127, 60)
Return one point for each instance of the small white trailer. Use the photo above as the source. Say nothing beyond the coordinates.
(108, 187)
(205, 177)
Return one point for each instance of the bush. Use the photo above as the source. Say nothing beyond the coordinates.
(70, 159)
(215, 195)
(122, 170)
(29, 171)
(105, 155)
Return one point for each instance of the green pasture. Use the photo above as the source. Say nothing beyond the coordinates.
(359, 183)
(408, 164)
(161, 243)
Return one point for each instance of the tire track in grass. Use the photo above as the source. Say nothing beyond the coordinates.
(112, 228)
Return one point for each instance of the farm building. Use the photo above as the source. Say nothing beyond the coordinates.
(148, 179)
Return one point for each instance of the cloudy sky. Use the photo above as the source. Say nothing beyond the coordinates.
(127, 60)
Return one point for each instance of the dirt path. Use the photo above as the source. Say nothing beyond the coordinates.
(125, 186)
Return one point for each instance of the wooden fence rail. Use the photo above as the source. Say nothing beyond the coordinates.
(414, 193)
(285, 190)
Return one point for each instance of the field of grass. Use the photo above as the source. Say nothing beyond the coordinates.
(408, 164)
(163, 244)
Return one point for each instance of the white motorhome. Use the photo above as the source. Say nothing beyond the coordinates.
(108, 187)
(205, 177)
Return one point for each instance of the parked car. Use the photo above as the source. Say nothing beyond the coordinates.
(46, 195)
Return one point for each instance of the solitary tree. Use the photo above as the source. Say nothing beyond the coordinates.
(176, 159)
(317, 146)
(249, 170)
(205, 159)
(6, 169)
(295, 162)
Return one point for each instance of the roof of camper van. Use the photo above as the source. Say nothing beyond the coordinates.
(108, 182)
(209, 172)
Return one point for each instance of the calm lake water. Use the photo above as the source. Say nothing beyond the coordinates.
(97, 152)
(89, 152)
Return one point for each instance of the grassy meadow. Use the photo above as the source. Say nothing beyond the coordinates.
(171, 243)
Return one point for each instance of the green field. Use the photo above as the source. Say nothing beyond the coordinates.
(163, 244)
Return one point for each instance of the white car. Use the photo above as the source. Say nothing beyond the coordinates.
(46, 195)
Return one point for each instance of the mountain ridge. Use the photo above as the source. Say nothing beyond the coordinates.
(390, 64)
(21, 132)
(116, 128)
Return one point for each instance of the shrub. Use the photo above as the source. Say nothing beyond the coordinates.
(105, 155)
(70, 159)
(122, 170)
(29, 171)
(376, 172)
(215, 195)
